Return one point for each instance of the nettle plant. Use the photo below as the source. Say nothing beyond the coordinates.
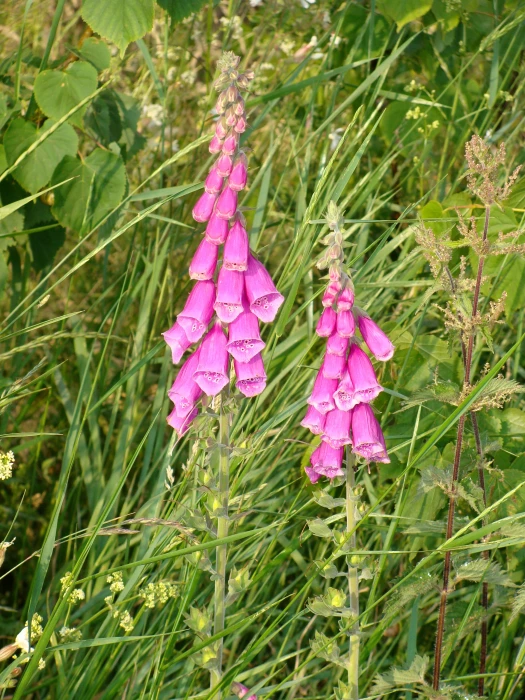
(340, 413)
(233, 291)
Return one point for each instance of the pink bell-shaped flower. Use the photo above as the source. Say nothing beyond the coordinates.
(337, 345)
(326, 324)
(366, 386)
(204, 262)
(331, 293)
(333, 366)
(212, 371)
(204, 207)
(216, 145)
(325, 461)
(345, 324)
(337, 428)
(344, 396)
(314, 421)
(244, 339)
(237, 248)
(224, 165)
(251, 377)
(198, 310)
(230, 144)
(241, 125)
(184, 391)
(367, 435)
(226, 204)
(220, 129)
(216, 230)
(178, 342)
(214, 182)
(263, 297)
(181, 424)
(239, 174)
(378, 342)
(322, 394)
(346, 299)
(230, 292)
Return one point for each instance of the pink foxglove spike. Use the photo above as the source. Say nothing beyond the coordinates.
(230, 293)
(214, 182)
(224, 165)
(212, 373)
(239, 174)
(251, 376)
(263, 297)
(230, 144)
(333, 366)
(337, 345)
(181, 425)
(226, 203)
(344, 396)
(366, 386)
(331, 293)
(198, 310)
(216, 145)
(216, 230)
(204, 262)
(325, 461)
(378, 342)
(178, 342)
(368, 438)
(345, 301)
(346, 324)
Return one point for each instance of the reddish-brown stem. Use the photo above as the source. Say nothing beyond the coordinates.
(467, 361)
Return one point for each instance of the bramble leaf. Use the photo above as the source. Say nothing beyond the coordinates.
(120, 21)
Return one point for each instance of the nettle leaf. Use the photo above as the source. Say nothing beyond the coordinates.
(433, 477)
(120, 21)
(103, 118)
(471, 493)
(98, 187)
(35, 171)
(481, 570)
(58, 91)
(444, 391)
(96, 52)
(319, 528)
(415, 673)
(518, 603)
(496, 392)
(405, 595)
(404, 11)
(180, 9)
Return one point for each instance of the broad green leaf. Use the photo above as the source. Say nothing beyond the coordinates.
(120, 21)
(404, 11)
(96, 52)
(319, 528)
(3, 159)
(44, 244)
(58, 91)
(180, 9)
(3, 273)
(97, 188)
(103, 118)
(36, 170)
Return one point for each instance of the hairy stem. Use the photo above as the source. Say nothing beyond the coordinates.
(221, 550)
(353, 581)
(467, 360)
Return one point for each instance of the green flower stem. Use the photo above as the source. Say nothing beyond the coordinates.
(222, 550)
(353, 581)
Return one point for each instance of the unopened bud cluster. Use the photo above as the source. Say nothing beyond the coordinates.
(346, 383)
(232, 295)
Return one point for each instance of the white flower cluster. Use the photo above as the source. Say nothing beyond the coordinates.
(7, 460)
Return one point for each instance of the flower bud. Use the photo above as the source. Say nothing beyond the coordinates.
(239, 174)
(240, 126)
(221, 129)
(230, 144)
(213, 184)
(224, 165)
(215, 145)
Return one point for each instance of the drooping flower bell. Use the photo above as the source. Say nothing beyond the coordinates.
(233, 294)
(339, 406)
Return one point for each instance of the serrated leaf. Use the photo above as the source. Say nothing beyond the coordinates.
(326, 501)
(96, 52)
(327, 649)
(479, 570)
(36, 170)
(58, 91)
(120, 21)
(98, 187)
(319, 528)
(180, 9)
(404, 11)
(518, 603)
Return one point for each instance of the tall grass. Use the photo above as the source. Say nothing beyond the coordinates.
(101, 486)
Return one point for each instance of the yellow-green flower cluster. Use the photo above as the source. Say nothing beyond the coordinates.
(7, 460)
(158, 593)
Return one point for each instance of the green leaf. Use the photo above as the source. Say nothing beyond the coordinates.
(44, 244)
(36, 170)
(59, 91)
(404, 11)
(103, 118)
(96, 52)
(3, 273)
(180, 9)
(98, 187)
(319, 528)
(120, 21)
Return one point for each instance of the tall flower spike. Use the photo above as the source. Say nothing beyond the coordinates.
(346, 383)
(240, 291)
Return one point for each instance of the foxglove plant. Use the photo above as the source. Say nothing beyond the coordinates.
(340, 413)
(232, 293)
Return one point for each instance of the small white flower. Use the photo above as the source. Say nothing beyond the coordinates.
(335, 138)
(22, 640)
(256, 3)
(306, 3)
(7, 460)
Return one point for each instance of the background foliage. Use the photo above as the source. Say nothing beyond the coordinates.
(104, 115)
